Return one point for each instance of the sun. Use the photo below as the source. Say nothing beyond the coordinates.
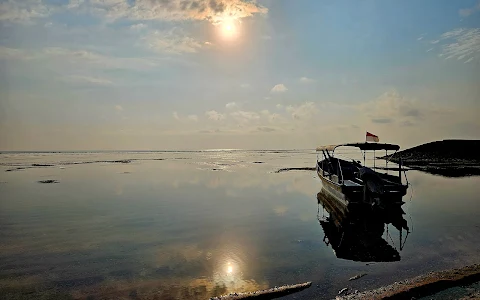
(229, 29)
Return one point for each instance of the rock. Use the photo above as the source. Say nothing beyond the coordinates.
(48, 181)
(342, 291)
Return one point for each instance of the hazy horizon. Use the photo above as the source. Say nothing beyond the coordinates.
(118, 75)
(196, 150)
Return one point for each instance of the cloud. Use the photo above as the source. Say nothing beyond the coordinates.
(462, 43)
(177, 117)
(80, 56)
(138, 26)
(302, 112)
(75, 4)
(214, 11)
(391, 107)
(307, 80)
(420, 38)
(265, 129)
(245, 117)
(245, 85)
(465, 12)
(407, 123)
(172, 41)
(382, 120)
(118, 108)
(23, 11)
(214, 115)
(192, 118)
(80, 79)
(429, 50)
(279, 88)
(231, 105)
(15, 54)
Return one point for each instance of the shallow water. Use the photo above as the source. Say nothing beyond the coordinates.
(179, 225)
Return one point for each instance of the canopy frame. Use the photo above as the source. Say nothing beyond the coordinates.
(362, 146)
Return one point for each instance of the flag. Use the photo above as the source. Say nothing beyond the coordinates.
(371, 137)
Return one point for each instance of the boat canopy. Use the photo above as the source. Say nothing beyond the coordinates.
(361, 146)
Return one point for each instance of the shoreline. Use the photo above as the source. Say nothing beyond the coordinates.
(421, 286)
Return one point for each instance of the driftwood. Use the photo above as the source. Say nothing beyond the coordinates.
(296, 169)
(357, 276)
(267, 294)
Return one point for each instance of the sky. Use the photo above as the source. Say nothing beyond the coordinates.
(233, 74)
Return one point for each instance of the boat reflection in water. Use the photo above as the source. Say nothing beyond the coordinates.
(358, 232)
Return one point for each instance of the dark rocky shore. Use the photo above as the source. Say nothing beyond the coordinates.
(451, 158)
(425, 285)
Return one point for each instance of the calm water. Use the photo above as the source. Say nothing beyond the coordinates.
(179, 225)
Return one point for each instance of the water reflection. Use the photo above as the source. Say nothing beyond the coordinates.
(169, 230)
(359, 233)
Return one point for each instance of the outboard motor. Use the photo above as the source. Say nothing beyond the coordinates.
(374, 187)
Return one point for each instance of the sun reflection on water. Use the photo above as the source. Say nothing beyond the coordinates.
(229, 268)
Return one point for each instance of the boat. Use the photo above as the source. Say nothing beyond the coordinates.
(350, 181)
(359, 234)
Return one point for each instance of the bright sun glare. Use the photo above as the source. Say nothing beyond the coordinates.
(229, 268)
(229, 30)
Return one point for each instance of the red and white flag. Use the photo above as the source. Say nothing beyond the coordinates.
(371, 138)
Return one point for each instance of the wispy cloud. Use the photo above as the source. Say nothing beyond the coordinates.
(382, 120)
(176, 116)
(306, 80)
(214, 11)
(79, 57)
(138, 26)
(214, 115)
(231, 105)
(245, 117)
(189, 118)
(15, 54)
(266, 129)
(465, 12)
(462, 43)
(279, 88)
(172, 41)
(192, 118)
(23, 11)
(390, 107)
(118, 108)
(303, 111)
(81, 79)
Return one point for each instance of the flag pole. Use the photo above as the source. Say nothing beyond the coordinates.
(364, 150)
